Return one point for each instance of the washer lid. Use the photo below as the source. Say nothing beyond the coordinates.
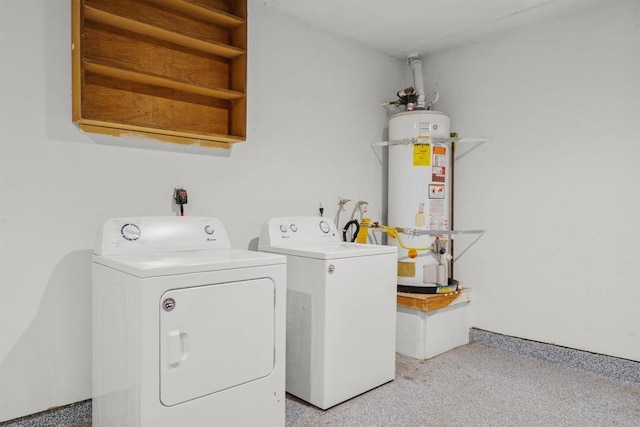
(330, 250)
(170, 263)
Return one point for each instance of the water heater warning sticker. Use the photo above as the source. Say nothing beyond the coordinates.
(422, 155)
(439, 151)
(437, 219)
(436, 191)
(438, 174)
(439, 164)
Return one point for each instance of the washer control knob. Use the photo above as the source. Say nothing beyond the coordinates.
(130, 232)
(283, 228)
(293, 227)
(324, 227)
(208, 229)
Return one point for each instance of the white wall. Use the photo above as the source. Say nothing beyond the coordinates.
(557, 187)
(314, 108)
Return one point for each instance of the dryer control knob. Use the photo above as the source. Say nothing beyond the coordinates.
(283, 228)
(293, 227)
(130, 232)
(324, 227)
(208, 229)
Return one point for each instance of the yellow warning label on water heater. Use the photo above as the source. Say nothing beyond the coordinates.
(422, 155)
(406, 269)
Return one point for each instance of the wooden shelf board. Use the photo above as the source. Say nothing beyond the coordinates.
(155, 80)
(120, 129)
(193, 10)
(141, 28)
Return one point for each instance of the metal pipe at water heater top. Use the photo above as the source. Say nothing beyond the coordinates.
(419, 192)
(416, 67)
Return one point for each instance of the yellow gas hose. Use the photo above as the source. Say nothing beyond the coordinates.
(391, 232)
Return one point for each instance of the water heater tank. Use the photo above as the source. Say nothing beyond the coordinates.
(419, 193)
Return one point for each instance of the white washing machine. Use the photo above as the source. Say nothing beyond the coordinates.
(341, 310)
(186, 330)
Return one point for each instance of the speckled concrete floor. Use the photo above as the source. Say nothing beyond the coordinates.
(473, 385)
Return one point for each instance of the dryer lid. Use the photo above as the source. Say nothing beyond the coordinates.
(171, 263)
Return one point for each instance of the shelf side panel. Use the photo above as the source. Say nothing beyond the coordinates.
(238, 118)
(76, 59)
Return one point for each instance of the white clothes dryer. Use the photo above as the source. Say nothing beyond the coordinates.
(186, 330)
(341, 310)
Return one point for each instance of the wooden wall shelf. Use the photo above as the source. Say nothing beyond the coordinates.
(173, 70)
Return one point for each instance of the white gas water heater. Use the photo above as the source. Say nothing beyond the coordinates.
(419, 195)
